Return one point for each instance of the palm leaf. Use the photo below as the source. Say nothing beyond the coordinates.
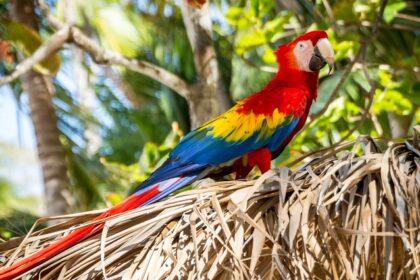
(342, 215)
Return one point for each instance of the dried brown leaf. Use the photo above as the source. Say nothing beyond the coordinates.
(339, 216)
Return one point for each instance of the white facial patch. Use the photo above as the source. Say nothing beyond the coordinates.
(303, 52)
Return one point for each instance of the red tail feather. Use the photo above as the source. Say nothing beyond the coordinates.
(73, 238)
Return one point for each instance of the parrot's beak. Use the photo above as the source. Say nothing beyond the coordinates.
(323, 54)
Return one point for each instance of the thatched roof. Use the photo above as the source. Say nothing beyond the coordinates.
(342, 215)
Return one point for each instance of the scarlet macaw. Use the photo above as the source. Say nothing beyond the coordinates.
(250, 134)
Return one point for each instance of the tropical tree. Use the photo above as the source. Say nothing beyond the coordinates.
(40, 93)
(129, 69)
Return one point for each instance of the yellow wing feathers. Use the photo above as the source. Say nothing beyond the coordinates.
(233, 126)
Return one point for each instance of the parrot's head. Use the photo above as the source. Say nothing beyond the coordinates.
(308, 52)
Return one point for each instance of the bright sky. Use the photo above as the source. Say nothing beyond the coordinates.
(18, 160)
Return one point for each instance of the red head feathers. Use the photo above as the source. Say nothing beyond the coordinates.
(297, 55)
(300, 60)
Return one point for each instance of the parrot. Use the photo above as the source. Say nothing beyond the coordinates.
(247, 136)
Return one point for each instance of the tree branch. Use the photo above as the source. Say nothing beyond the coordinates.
(366, 113)
(54, 43)
(360, 57)
(372, 83)
(209, 88)
(337, 87)
(102, 56)
(99, 55)
(379, 17)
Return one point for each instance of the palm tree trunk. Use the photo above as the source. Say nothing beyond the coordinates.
(208, 97)
(51, 152)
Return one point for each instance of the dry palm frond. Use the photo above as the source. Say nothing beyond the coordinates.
(350, 216)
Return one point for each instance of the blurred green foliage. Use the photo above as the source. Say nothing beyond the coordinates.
(16, 213)
(28, 41)
(133, 114)
(392, 61)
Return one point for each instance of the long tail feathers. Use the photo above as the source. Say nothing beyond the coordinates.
(144, 196)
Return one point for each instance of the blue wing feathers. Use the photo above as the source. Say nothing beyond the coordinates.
(202, 148)
(169, 186)
(171, 168)
(199, 151)
(281, 134)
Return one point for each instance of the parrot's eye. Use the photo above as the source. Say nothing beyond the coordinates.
(301, 46)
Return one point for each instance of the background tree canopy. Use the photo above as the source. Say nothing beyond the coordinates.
(118, 114)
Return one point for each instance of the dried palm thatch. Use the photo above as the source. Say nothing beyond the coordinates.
(342, 215)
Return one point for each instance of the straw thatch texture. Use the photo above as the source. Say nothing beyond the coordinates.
(344, 215)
